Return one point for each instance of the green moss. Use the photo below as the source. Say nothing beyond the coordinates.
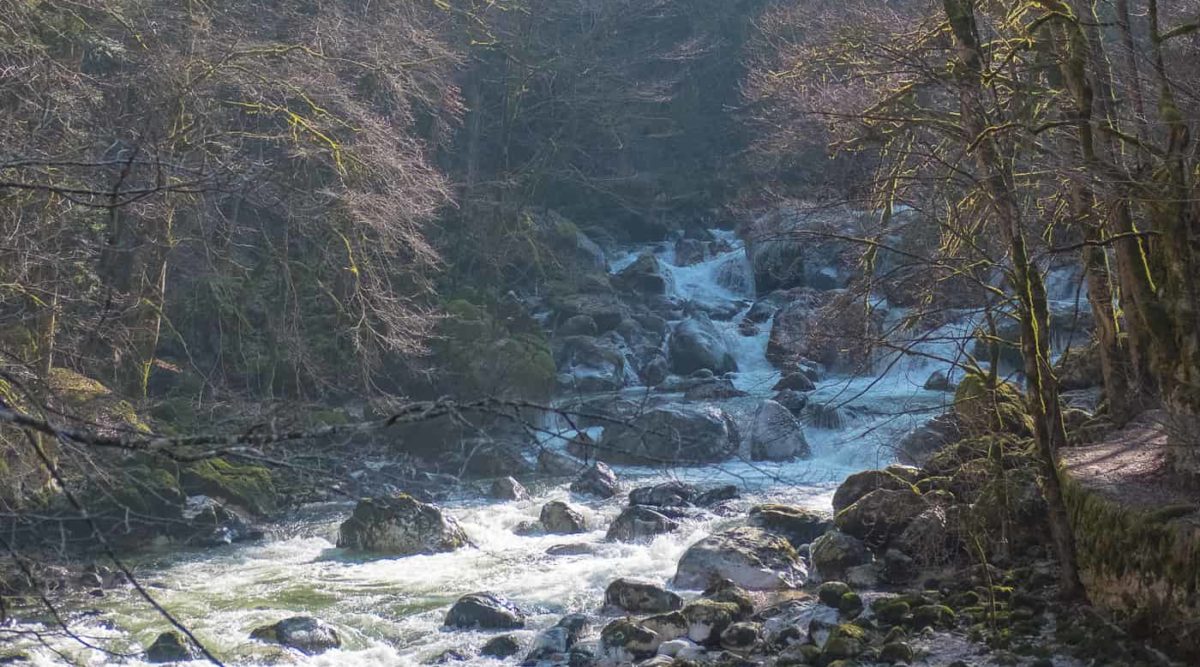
(245, 485)
(1142, 565)
(933, 616)
(982, 409)
(890, 610)
(147, 489)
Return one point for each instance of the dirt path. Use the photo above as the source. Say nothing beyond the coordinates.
(1130, 465)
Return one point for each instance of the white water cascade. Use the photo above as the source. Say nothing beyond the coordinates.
(389, 611)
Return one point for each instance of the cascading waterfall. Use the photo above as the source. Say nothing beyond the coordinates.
(389, 611)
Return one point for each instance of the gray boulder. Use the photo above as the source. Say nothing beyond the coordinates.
(638, 523)
(303, 633)
(670, 434)
(834, 553)
(399, 526)
(747, 556)
(776, 434)
(507, 488)
(664, 494)
(598, 480)
(696, 343)
(793, 400)
(485, 611)
(561, 519)
(880, 515)
(861, 483)
(643, 276)
(502, 646)
(625, 640)
(638, 596)
(799, 525)
(923, 442)
(170, 647)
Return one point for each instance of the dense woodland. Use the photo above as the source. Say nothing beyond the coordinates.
(246, 242)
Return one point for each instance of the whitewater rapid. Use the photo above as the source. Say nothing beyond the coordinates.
(389, 612)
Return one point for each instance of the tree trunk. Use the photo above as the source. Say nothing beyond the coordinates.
(995, 177)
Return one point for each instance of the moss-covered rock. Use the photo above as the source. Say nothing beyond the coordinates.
(982, 409)
(245, 485)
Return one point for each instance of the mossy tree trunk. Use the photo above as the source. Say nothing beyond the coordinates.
(996, 180)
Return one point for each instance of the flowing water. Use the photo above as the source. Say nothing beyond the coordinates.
(389, 611)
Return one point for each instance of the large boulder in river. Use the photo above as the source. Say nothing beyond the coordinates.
(644, 276)
(861, 483)
(560, 518)
(638, 596)
(696, 343)
(880, 515)
(638, 523)
(485, 611)
(507, 488)
(837, 329)
(672, 493)
(598, 480)
(170, 647)
(776, 434)
(799, 525)
(303, 633)
(592, 363)
(749, 557)
(835, 553)
(399, 526)
(670, 434)
(625, 641)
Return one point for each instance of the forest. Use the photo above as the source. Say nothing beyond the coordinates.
(539, 332)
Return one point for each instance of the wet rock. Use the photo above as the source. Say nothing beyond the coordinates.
(830, 593)
(560, 518)
(667, 626)
(170, 647)
(577, 549)
(714, 389)
(797, 524)
(624, 640)
(644, 276)
(794, 401)
(919, 444)
(399, 526)
(210, 522)
(578, 325)
(664, 494)
(823, 415)
(598, 480)
(861, 483)
(449, 656)
(593, 364)
(638, 596)
(655, 371)
(864, 576)
(836, 330)
(741, 637)
(681, 649)
(718, 494)
(303, 633)
(896, 652)
(550, 645)
(679, 434)
(749, 557)
(938, 381)
(638, 523)
(690, 251)
(507, 488)
(696, 344)
(776, 435)
(503, 646)
(724, 590)
(897, 567)
(485, 611)
(795, 381)
(834, 553)
(880, 515)
(707, 619)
